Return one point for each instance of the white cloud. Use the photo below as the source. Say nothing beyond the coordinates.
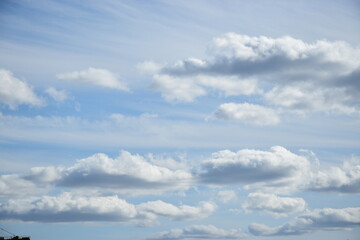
(12, 185)
(128, 174)
(57, 95)
(226, 196)
(187, 89)
(68, 207)
(345, 179)
(273, 205)
(287, 72)
(276, 170)
(149, 67)
(174, 89)
(183, 212)
(96, 76)
(14, 92)
(327, 219)
(248, 113)
(199, 232)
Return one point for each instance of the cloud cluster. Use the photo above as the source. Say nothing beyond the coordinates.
(248, 113)
(199, 232)
(68, 207)
(278, 169)
(273, 205)
(287, 72)
(95, 76)
(14, 92)
(319, 219)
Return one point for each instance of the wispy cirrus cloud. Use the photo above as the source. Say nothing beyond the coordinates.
(96, 76)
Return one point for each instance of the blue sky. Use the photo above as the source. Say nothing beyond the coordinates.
(180, 119)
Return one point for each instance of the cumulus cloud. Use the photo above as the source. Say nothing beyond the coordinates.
(127, 174)
(68, 207)
(247, 113)
(199, 232)
(96, 76)
(345, 179)
(286, 72)
(278, 169)
(327, 219)
(14, 92)
(273, 205)
(57, 95)
(12, 185)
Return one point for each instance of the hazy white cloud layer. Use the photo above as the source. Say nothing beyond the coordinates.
(273, 205)
(199, 232)
(278, 169)
(311, 221)
(248, 113)
(287, 72)
(14, 92)
(68, 207)
(95, 76)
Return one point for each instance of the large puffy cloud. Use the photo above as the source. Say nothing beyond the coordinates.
(318, 219)
(127, 174)
(273, 205)
(14, 91)
(278, 169)
(96, 76)
(68, 207)
(248, 113)
(199, 232)
(345, 179)
(287, 72)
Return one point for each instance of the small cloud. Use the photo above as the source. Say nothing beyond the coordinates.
(273, 205)
(57, 95)
(199, 232)
(226, 196)
(95, 76)
(14, 92)
(247, 113)
(149, 67)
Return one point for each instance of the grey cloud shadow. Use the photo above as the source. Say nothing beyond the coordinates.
(109, 181)
(234, 174)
